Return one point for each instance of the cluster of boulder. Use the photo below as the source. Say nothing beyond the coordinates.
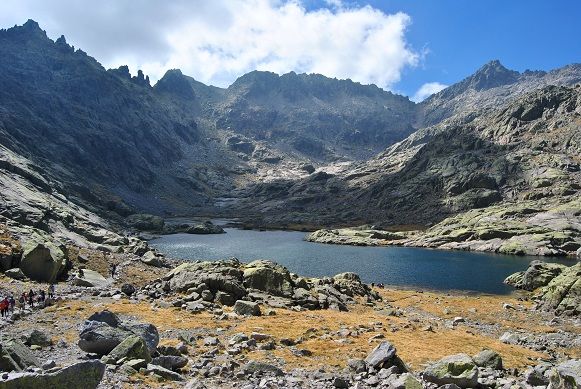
(130, 345)
(232, 283)
(557, 287)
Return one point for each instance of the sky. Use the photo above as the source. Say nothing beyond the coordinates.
(411, 47)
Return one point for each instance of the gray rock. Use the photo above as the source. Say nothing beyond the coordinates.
(15, 273)
(37, 338)
(136, 364)
(247, 308)
(260, 368)
(488, 358)
(382, 356)
(268, 277)
(132, 347)
(341, 383)
(457, 369)
(567, 375)
(357, 365)
(86, 375)
(42, 260)
(14, 356)
(171, 362)
(90, 278)
(128, 289)
(406, 381)
(164, 373)
(224, 298)
(104, 331)
(150, 258)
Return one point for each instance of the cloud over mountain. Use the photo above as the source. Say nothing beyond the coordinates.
(220, 40)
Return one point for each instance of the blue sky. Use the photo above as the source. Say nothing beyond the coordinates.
(401, 45)
(461, 36)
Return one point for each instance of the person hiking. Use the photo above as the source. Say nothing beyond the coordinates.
(4, 307)
(113, 269)
(12, 303)
(31, 298)
(22, 301)
(51, 290)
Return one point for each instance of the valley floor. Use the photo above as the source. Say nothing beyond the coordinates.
(423, 326)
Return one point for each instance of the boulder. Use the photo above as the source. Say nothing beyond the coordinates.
(406, 381)
(14, 356)
(384, 356)
(171, 362)
(15, 273)
(225, 276)
(86, 375)
(42, 260)
(90, 279)
(37, 338)
(247, 308)
(567, 375)
(488, 358)
(261, 368)
(268, 277)
(224, 298)
(457, 369)
(133, 347)
(164, 373)
(150, 258)
(103, 331)
(128, 289)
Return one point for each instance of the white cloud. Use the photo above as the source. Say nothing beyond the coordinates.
(217, 41)
(427, 90)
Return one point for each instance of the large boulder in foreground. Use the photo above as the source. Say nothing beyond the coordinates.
(86, 375)
(42, 260)
(104, 331)
(457, 369)
(15, 356)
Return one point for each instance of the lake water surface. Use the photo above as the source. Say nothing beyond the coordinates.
(398, 266)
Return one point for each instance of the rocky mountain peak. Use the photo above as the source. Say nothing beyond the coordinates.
(174, 82)
(491, 75)
(28, 30)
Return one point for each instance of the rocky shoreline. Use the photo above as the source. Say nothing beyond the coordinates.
(526, 228)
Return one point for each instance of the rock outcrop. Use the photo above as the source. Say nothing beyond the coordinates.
(225, 282)
(557, 287)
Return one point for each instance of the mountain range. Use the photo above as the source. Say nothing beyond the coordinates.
(293, 150)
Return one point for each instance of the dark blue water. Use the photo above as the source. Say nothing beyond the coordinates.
(400, 266)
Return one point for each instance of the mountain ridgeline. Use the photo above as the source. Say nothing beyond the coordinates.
(294, 149)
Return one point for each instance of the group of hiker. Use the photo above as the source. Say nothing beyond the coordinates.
(30, 298)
